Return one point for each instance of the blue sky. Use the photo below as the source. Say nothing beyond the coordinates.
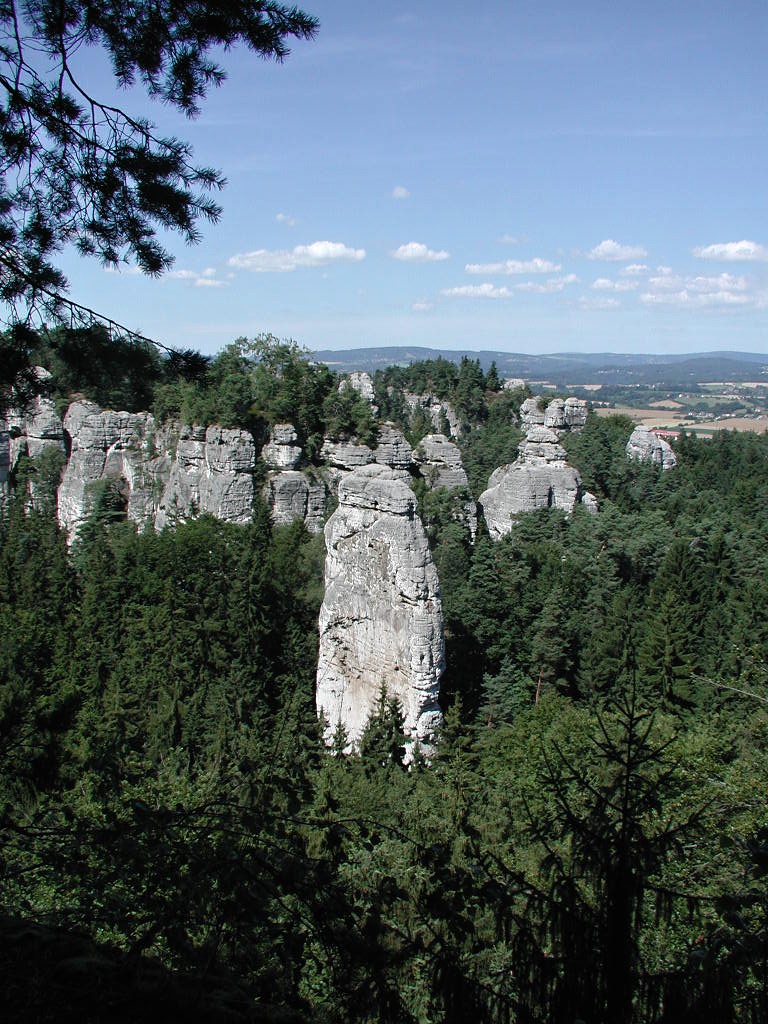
(535, 177)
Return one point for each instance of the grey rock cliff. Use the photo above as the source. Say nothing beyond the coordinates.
(31, 431)
(381, 619)
(645, 446)
(540, 478)
(392, 448)
(282, 451)
(105, 445)
(165, 475)
(293, 495)
(362, 383)
(531, 415)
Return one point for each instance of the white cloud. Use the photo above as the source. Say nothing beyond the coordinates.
(554, 284)
(200, 279)
(510, 240)
(400, 192)
(614, 252)
(422, 306)
(284, 261)
(604, 284)
(697, 291)
(285, 218)
(598, 304)
(732, 251)
(478, 291)
(417, 252)
(634, 270)
(534, 266)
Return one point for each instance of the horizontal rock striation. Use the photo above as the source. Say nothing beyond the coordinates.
(381, 619)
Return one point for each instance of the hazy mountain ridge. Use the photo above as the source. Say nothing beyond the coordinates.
(567, 367)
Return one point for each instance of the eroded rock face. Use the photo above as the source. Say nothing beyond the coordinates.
(362, 383)
(105, 445)
(392, 449)
(282, 451)
(166, 474)
(540, 478)
(346, 454)
(5, 461)
(645, 446)
(213, 474)
(37, 428)
(576, 413)
(439, 462)
(381, 619)
(293, 495)
(531, 415)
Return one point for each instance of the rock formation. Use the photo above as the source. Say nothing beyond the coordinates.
(440, 466)
(362, 383)
(292, 494)
(560, 414)
(213, 473)
(282, 451)
(165, 475)
(392, 448)
(381, 618)
(540, 478)
(645, 446)
(531, 414)
(116, 446)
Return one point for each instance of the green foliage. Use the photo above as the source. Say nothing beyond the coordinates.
(347, 415)
(84, 173)
(586, 842)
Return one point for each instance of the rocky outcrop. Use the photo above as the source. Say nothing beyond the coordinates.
(560, 414)
(36, 428)
(5, 461)
(108, 446)
(346, 454)
(576, 413)
(362, 383)
(213, 473)
(645, 446)
(540, 478)
(165, 475)
(282, 451)
(439, 462)
(531, 414)
(293, 495)
(381, 619)
(392, 448)
(569, 414)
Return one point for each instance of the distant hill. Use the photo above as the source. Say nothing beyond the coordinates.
(563, 368)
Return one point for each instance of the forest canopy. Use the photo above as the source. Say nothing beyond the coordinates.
(588, 840)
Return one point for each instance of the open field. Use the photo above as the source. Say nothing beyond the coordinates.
(670, 420)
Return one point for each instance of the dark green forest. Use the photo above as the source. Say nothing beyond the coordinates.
(589, 841)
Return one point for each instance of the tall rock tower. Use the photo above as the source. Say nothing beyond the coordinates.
(381, 620)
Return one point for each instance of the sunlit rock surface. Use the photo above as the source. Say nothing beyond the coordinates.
(381, 620)
(645, 446)
(540, 478)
